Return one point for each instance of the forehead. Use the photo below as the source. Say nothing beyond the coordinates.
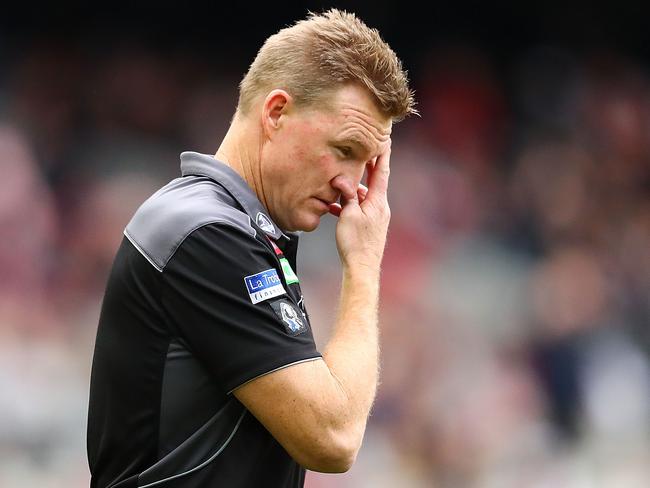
(351, 114)
(354, 103)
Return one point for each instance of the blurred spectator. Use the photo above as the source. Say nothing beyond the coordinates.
(29, 224)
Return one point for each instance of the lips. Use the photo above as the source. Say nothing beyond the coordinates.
(325, 206)
(328, 201)
(323, 201)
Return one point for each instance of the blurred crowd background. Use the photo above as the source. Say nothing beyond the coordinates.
(516, 284)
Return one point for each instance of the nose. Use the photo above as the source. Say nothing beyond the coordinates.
(343, 185)
(348, 180)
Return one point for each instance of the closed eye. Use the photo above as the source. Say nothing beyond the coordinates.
(345, 151)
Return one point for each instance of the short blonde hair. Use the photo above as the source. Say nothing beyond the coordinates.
(313, 57)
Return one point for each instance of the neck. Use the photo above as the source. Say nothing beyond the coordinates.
(241, 150)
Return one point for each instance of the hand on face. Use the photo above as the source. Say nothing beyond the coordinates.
(362, 191)
(364, 214)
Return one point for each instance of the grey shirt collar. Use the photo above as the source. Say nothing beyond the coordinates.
(193, 163)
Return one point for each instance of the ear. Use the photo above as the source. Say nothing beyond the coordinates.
(276, 106)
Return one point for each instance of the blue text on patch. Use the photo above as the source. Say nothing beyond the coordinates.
(264, 285)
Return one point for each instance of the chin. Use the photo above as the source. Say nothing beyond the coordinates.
(306, 224)
(310, 228)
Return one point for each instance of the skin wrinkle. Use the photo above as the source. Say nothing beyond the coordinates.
(260, 182)
(366, 120)
(359, 128)
(249, 172)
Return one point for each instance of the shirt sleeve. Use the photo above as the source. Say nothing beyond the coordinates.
(211, 295)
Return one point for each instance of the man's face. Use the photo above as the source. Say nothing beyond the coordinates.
(318, 150)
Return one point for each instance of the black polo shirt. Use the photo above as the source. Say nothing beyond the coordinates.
(202, 298)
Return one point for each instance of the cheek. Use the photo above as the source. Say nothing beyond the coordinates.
(310, 164)
(307, 145)
(298, 157)
(299, 154)
(327, 167)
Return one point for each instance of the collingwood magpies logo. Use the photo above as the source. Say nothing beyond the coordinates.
(290, 317)
(294, 320)
(264, 223)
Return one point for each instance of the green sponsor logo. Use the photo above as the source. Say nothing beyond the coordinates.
(289, 275)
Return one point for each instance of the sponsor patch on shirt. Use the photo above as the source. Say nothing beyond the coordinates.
(293, 319)
(289, 275)
(264, 285)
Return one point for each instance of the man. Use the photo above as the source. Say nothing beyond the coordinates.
(205, 370)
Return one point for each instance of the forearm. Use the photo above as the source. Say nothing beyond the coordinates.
(352, 354)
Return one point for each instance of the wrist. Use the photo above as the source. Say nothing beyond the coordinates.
(362, 274)
(362, 262)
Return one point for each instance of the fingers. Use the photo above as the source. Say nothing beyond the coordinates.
(362, 192)
(378, 174)
(335, 209)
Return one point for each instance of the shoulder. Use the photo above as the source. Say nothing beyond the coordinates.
(169, 216)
